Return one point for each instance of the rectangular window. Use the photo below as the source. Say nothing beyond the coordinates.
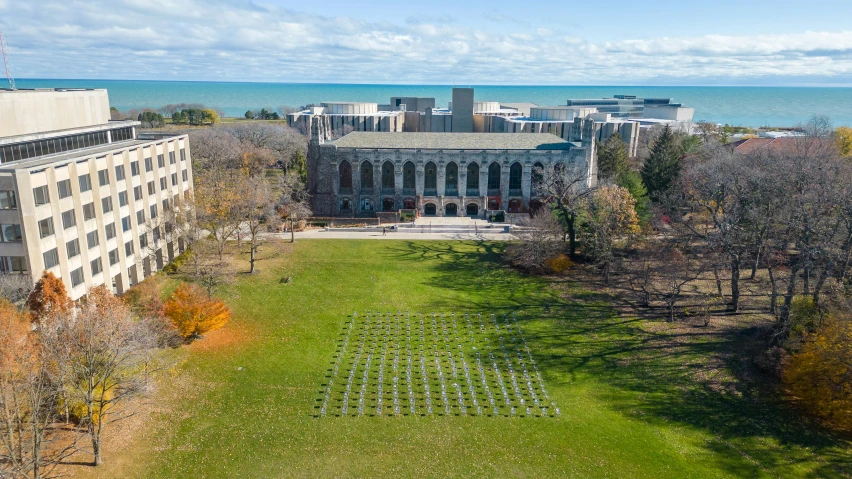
(153, 211)
(174, 179)
(69, 219)
(163, 183)
(128, 248)
(137, 193)
(119, 172)
(64, 187)
(184, 175)
(85, 183)
(172, 157)
(89, 211)
(10, 233)
(140, 217)
(148, 164)
(106, 204)
(134, 168)
(103, 177)
(122, 198)
(73, 248)
(8, 201)
(77, 277)
(41, 196)
(143, 240)
(166, 205)
(161, 162)
(151, 188)
(45, 227)
(18, 264)
(96, 267)
(125, 223)
(110, 231)
(182, 154)
(156, 234)
(92, 239)
(113, 257)
(51, 258)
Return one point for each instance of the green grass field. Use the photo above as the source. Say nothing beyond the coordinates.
(631, 394)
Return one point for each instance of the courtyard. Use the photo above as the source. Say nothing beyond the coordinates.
(624, 397)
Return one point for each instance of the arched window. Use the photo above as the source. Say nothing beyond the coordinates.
(537, 177)
(516, 172)
(452, 179)
(345, 174)
(387, 176)
(366, 175)
(408, 176)
(473, 179)
(431, 180)
(494, 176)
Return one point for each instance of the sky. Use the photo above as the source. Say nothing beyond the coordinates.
(501, 42)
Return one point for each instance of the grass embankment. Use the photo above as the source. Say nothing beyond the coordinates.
(637, 397)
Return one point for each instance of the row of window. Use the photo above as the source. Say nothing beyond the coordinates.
(42, 195)
(451, 176)
(13, 264)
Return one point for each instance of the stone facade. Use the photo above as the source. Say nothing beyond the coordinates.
(440, 174)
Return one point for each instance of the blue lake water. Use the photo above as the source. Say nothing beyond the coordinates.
(749, 106)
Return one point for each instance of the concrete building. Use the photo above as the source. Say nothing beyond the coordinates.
(78, 192)
(411, 103)
(629, 106)
(350, 116)
(436, 174)
(462, 108)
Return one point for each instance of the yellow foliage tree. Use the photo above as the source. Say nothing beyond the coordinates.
(820, 375)
(194, 313)
(843, 135)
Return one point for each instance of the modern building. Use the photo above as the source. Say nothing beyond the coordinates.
(437, 174)
(81, 195)
(344, 117)
(629, 106)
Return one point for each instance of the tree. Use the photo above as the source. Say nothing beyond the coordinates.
(195, 313)
(613, 160)
(104, 358)
(14, 287)
(293, 203)
(539, 240)
(300, 166)
(632, 182)
(820, 375)
(843, 136)
(28, 395)
(48, 297)
(257, 212)
(609, 214)
(663, 166)
(563, 188)
(250, 115)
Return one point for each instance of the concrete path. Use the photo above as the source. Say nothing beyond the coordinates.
(377, 235)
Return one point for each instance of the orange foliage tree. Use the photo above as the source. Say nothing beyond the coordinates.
(820, 375)
(194, 313)
(48, 297)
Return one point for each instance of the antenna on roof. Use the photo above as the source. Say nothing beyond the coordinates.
(6, 62)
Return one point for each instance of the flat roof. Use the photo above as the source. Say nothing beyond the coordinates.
(452, 141)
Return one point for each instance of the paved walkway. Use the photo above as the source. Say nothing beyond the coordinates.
(377, 235)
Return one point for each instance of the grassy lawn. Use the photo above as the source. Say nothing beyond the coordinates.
(636, 397)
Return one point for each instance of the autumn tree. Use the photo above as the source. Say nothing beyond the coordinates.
(843, 137)
(613, 160)
(14, 287)
(104, 358)
(610, 215)
(256, 208)
(48, 297)
(293, 203)
(563, 187)
(194, 313)
(663, 165)
(539, 240)
(28, 396)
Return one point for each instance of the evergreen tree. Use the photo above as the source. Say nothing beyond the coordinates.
(613, 159)
(632, 182)
(300, 166)
(663, 166)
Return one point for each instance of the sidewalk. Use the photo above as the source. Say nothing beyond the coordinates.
(391, 235)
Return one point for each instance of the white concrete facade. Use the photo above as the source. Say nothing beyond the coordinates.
(26, 112)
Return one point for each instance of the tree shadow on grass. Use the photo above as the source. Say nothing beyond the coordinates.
(696, 377)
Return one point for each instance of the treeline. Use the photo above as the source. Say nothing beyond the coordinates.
(696, 212)
(193, 114)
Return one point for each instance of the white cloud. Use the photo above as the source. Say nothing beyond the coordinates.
(242, 40)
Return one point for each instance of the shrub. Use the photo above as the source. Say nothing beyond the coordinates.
(176, 264)
(559, 263)
(804, 315)
(194, 313)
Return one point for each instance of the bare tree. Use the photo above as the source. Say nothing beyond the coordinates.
(539, 239)
(104, 356)
(563, 187)
(257, 212)
(293, 204)
(15, 287)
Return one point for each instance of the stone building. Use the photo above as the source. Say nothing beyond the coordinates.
(437, 174)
